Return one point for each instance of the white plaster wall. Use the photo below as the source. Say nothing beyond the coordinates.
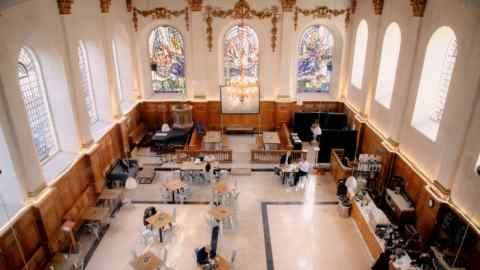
(358, 97)
(85, 24)
(466, 188)
(444, 152)
(450, 159)
(11, 192)
(212, 62)
(35, 25)
(388, 120)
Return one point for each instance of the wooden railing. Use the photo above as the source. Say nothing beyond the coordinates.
(137, 134)
(284, 135)
(222, 156)
(337, 168)
(194, 142)
(273, 156)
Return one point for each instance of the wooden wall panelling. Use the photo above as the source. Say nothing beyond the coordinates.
(200, 113)
(65, 195)
(267, 111)
(213, 109)
(322, 106)
(283, 113)
(154, 114)
(426, 217)
(10, 250)
(124, 134)
(28, 233)
(50, 214)
(96, 163)
(39, 260)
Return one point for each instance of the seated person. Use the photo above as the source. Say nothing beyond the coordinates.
(165, 128)
(208, 167)
(286, 159)
(202, 256)
(316, 130)
(303, 169)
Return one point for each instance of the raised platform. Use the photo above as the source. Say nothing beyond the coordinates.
(239, 130)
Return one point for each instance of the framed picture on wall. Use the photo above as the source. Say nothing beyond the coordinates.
(240, 100)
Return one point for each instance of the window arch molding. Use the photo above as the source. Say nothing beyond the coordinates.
(338, 44)
(388, 64)
(177, 62)
(252, 36)
(436, 74)
(359, 54)
(264, 49)
(327, 66)
(36, 104)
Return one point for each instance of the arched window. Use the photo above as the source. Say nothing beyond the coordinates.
(167, 60)
(438, 65)
(358, 67)
(117, 71)
(315, 60)
(240, 55)
(86, 83)
(36, 104)
(388, 65)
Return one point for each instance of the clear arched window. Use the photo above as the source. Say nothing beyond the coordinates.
(36, 104)
(86, 83)
(436, 75)
(166, 48)
(359, 55)
(315, 60)
(240, 55)
(388, 65)
(117, 70)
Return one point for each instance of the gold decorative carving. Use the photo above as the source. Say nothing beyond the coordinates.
(287, 5)
(378, 6)
(160, 13)
(418, 7)
(129, 5)
(105, 5)
(353, 6)
(65, 6)
(348, 17)
(320, 12)
(195, 5)
(240, 11)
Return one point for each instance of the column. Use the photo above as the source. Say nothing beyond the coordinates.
(72, 76)
(404, 91)
(371, 67)
(108, 53)
(198, 49)
(18, 135)
(346, 63)
(287, 44)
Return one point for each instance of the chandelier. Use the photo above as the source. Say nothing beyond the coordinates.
(241, 89)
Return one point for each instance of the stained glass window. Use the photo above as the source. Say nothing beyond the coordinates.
(241, 50)
(36, 104)
(315, 60)
(86, 84)
(167, 60)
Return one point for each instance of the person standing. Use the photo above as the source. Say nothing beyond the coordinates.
(316, 131)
